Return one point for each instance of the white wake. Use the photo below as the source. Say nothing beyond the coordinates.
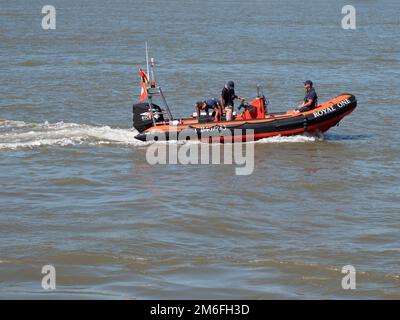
(304, 137)
(20, 134)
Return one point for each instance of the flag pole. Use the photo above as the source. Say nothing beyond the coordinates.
(149, 97)
(147, 61)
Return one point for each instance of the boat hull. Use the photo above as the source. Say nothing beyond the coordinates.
(318, 120)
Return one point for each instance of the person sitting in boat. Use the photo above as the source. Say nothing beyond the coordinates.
(209, 104)
(310, 98)
(227, 99)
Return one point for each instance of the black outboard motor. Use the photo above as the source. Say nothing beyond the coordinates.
(142, 116)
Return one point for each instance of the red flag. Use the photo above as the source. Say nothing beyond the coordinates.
(145, 80)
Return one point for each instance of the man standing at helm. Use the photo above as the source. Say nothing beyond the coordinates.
(227, 99)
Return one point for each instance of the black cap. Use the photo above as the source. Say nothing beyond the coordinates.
(308, 82)
(230, 84)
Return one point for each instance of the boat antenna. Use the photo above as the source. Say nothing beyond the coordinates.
(147, 59)
(155, 90)
(149, 96)
(153, 78)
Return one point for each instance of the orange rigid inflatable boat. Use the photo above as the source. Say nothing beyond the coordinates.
(254, 123)
(149, 120)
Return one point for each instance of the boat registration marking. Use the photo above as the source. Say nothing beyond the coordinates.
(212, 129)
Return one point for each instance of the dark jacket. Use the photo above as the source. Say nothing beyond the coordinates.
(228, 96)
(310, 95)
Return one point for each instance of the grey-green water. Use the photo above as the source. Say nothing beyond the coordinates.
(77, 192)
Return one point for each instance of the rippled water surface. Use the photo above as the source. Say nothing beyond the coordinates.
(78, 193)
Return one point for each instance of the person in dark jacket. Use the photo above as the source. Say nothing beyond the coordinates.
(228, 96)
(209, 104)
(310, 99)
